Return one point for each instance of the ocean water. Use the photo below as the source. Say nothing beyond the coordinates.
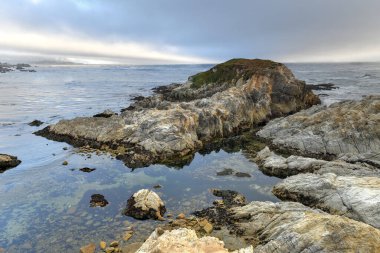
(44, 206)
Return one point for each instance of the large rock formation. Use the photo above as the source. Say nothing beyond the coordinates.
(347, 129)
(7, 162)
(293, 227)
(180, 119)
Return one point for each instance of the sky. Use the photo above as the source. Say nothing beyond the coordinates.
(190, 31)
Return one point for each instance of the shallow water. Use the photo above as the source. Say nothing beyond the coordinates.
(44, 206)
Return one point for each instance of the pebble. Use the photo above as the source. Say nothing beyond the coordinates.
(114, 244)
(90, 248)
(110, 249)
(103, 244)
(181, 216)
(127, 235)
(65, 163)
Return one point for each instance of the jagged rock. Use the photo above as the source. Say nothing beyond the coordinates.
(276, 165)
(106, 114)
(292, 227)
(180, 119)
(145, 204)
(184, 240)
(7, 162)
(343, 129)
(355, 197)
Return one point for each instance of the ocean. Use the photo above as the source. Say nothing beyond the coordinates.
(44, 206)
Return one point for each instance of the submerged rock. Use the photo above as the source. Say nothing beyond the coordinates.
(322, 86)
(35, 122)
(98, 200)
(87, 170)
(145, 204)
(90, 248)
(348, 128)
(181, 119)
(8, 161)
(225, 172)
(355, 197)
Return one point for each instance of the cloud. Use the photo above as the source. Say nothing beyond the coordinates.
(293, 30)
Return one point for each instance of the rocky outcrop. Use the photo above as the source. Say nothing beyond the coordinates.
(5, 67)
(7, 162)
(279, 166)
(348, 129)
(181, 119)
(184, 240)
(355, 197)
(145, 204)
(293, 227)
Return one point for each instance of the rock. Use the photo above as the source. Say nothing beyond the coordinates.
(344, 129)
(127, 235)
(242, 174)
(292, 227)
(207, 227)
(106, 114)
(276, 165)
(225, 172)
(145, 204)
(114, 244)
(87, 170)
(90, 248)
(8, 161)
(181, 216)
(230, 198)
(157, 186)
(102, 245)
(35, 123)
(132, 248)
(322, 86)
(65, 163)
(170, 126)
(98, 200)
(109, 249)
(355, 197)
(182, 240)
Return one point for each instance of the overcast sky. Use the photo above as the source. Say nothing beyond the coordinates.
(191, 31)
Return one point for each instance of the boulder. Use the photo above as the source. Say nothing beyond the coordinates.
(106, 114)
(355, 197)
(36, 123)
(145, 204)
(184, 240)
(343, 129)
(98, 200)
(7, 162)
(180, 119)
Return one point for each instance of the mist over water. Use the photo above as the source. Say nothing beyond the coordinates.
(44, 206)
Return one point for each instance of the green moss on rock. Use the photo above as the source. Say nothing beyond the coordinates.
(232, 70)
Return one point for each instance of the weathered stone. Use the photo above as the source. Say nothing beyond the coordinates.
(355, 197)
(8, 161)
(171, 125)
(343, 129)
(292, 227)
(145, 204)
(181, 216)
(90, 248)
(276, 165)
(183, 240)
(114, 244)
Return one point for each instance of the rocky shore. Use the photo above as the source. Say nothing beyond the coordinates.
(5, 67)
(178, 120)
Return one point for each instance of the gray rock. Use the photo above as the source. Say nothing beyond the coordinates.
(106, 114)
(177, 121)
(343, 129)
(145, 204)
(7, 162)
(276, 165)
(355, 197)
